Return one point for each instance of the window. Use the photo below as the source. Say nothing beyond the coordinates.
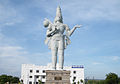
(43, 82)
(74, 72)
(21, 80)
(31, 71)
(30, 76)
(37, 76)
(74, 78)
(58, 78)
(30, 82)
(37, 71)
(43, 76)
(74, 82)
(43, 71)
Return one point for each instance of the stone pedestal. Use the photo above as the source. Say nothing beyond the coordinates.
(57, 77)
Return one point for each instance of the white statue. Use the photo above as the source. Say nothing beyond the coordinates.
(56, 39)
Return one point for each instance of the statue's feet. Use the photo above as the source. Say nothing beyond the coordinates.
(53, 68)
(60, 68)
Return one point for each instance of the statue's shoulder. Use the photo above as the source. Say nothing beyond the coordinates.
(65, 25)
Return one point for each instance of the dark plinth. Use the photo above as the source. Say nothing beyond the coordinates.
(57, 77)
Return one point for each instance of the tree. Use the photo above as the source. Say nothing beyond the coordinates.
(4, 79)
(9, 78)
(81, 81)
(111, 78)
(78, 82)
(15, 80)
(73, 81)
(39, 81)
(119, 80)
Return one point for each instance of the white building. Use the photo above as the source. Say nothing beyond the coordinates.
(30, 73)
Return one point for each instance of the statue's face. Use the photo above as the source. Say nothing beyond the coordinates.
(58, 19)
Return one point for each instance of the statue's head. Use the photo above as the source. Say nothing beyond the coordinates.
(46, 23)
(58, 15)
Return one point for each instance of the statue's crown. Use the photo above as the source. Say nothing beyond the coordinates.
(58, 14)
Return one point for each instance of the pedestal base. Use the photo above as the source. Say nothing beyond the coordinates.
(57, 77)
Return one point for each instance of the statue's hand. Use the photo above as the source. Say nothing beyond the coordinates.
(78, 26)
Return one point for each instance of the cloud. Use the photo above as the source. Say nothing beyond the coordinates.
(4, 40)
(82, 10)
(91, 10)
(115, 58)
(11, 58)
(1, 36)
(44, 56)
(8, 14)
(11, 51)
(13, 55)
(110, 59)
(96, 63)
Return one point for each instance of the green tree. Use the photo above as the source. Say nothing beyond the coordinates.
(81, 81)
(78, 82)
(73, 81)
(10, 79)
(111, 78)
(15, 80)
(3, 79)
(119, 80)
(39, 81)
(101, 82)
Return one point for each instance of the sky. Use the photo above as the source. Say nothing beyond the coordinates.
(96, 45)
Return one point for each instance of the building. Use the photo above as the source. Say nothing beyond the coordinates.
(31, 74)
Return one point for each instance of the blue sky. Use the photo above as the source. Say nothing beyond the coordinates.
(96, 45)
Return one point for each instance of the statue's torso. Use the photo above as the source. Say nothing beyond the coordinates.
(60, 30)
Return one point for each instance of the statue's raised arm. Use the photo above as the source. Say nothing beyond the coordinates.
(69, 31)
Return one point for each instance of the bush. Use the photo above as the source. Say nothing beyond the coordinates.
(111, 78)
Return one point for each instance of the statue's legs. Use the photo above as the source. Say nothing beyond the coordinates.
(61, 58)
(54, 58)
(61, 52)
